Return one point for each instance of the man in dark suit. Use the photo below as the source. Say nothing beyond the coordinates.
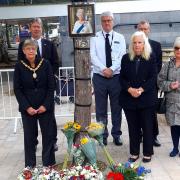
(157, 51)
(46, 50)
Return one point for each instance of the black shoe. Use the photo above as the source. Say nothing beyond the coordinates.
(173, 153)
(117, 141)
(146, 159)
(55, 147)
(105, 141)
(133, 158)
(57, 100)
(157, 143)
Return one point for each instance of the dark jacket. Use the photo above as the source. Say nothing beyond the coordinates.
(157, 51)
(145, 78)
(32, 92)
(49, 52)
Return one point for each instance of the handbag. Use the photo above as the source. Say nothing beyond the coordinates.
(161, 104)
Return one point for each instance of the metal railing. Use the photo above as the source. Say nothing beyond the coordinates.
(9, 105)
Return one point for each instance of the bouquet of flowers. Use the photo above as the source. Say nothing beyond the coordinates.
(96, 130)
(81, 173)
(38, 173)
(89, 149)
(78, 155)
(127, 171)
(70, 129)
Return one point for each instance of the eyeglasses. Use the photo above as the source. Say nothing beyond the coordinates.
(108, 21)
(176, 48)
(30, 48)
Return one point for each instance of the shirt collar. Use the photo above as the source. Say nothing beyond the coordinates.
(110, 33)
(38, 40)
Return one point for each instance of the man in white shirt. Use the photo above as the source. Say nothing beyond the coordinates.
(106, 50)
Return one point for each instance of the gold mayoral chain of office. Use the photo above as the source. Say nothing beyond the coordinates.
(33, 69)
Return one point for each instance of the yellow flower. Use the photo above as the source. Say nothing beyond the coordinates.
(84, 140)
(77, 126)
(66, 126)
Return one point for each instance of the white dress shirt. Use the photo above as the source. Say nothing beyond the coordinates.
(98, 55)
(39, 44)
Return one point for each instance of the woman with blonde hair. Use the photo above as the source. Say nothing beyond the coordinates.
(138, 95)
(169, 82)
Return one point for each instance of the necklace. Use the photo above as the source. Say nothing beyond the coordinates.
(33, 69)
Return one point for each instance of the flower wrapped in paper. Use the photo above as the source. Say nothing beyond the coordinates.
(96, 130)
(70, 129)
(78, 155)
(89, 149)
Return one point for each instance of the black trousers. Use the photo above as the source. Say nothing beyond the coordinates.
(175, 135)
(30, 124)
(137, 119)
(104, 88)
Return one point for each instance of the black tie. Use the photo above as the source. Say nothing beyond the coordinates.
(108, 52)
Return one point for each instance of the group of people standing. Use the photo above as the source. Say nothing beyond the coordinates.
(129, 80)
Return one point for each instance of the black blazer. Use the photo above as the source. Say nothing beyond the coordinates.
(156, 49)
(49, 52)
(145, 78)
(32, 92)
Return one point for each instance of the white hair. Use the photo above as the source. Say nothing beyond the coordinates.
(147, 48)
(80, 11)
(176, 42)
(107, 13)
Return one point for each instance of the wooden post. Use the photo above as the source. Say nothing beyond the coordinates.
(83, 96)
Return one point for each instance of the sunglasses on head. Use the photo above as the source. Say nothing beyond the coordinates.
(176, 48)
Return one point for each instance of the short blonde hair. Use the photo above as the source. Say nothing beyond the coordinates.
(147, 48)
(176, 42)
(29, 42)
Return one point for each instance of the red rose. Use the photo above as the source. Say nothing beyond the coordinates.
(115, 176)
(27, 174)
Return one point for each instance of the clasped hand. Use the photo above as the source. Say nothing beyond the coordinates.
(174, 85)
(135, 92)
(31, 111)
(107, 72)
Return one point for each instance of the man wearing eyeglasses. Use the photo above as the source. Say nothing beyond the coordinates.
(157, 51)
(106, 50)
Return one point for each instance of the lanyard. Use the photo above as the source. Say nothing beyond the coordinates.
(111, 39)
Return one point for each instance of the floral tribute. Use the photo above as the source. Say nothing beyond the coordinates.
(85, 160)
(127, 171)
(39, 173)
(70, 129)
(81, 173)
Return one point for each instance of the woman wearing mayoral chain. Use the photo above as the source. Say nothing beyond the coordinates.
(34, 90)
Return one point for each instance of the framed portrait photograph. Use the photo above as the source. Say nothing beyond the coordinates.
(81, 19)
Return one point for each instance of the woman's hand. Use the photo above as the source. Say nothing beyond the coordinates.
(174, 85)
(135, 92)
(31, 111)
(41, 110)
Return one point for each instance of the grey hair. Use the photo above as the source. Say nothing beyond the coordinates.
(36, 20)
(142, 23)
(107, 13)
(147, 48)
(29, 42)
(79, 11)
(176, 42)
